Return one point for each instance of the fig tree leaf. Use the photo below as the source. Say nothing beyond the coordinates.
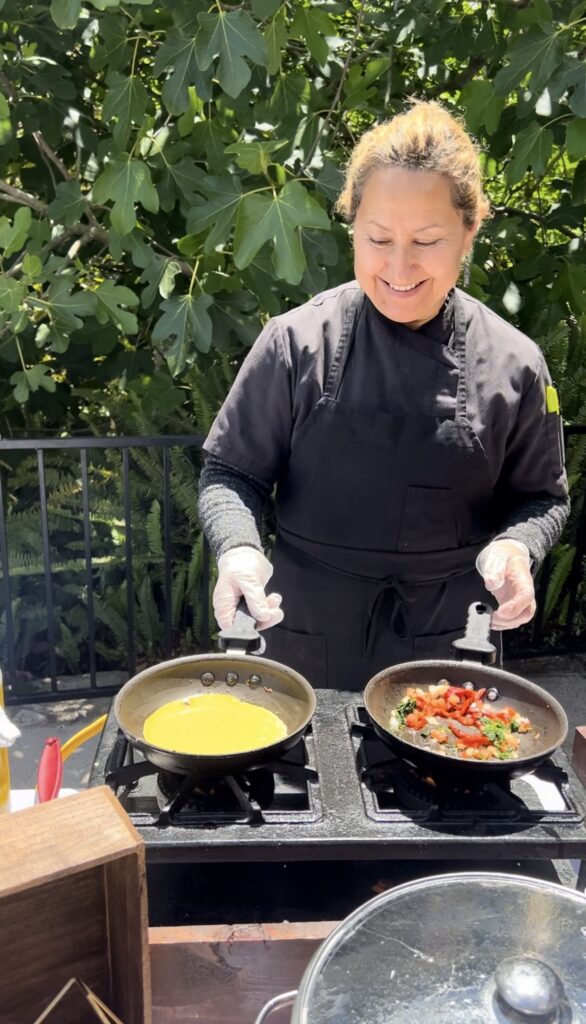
(160, 277)
(11, 294)
(275, 38)
(264, 8)
(31, 379)
(275, 219)
(179, 52)
(255, 156)
(69, 205)
(65, 13)
(126, 101)
(185, 319)
(576, 138)
(531, 149)
(126, 182)
(111, 300)
(14, 235)
(218, 211)
(537, 53)
(312, 25)
(483, 107)
(232, 36)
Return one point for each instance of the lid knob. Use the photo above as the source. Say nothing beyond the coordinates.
(530, 988)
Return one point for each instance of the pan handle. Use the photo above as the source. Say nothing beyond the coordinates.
(242, 637)
(475, 644)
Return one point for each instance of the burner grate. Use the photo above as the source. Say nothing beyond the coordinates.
(393, 790)
(283, 791)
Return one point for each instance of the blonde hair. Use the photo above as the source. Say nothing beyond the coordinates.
(426, 138)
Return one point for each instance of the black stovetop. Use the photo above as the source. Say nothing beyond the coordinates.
(325, 807)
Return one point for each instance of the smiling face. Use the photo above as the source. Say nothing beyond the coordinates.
(409, 243)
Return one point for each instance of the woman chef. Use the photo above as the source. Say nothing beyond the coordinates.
(413, 435)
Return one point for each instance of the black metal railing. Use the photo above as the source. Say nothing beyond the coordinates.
(570, 639)
(83, 445)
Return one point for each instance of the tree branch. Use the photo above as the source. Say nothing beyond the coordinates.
(11, 194)
(336, 100)
(47, 152)
(514, 211)
(8, 87)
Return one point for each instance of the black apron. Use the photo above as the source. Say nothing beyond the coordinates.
(380, 518)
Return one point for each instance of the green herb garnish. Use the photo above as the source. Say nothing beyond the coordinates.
(495, 731)
(406, 706)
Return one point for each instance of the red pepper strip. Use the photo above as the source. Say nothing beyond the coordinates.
(465, 720)
(467, 739)
(480, 694)
(463, 708)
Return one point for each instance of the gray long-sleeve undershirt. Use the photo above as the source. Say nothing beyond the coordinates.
(232, 505)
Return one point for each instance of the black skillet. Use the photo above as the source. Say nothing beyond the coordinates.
(389, 687)
(237, 670)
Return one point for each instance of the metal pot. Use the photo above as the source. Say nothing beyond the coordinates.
(387, 689)
(238, 671)
(469, 948)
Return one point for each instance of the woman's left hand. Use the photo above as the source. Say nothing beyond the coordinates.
(505, 567)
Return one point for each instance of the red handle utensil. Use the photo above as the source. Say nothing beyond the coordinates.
(50, 771)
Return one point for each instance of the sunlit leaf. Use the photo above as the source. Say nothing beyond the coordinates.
(231, 35)
(126, 182)
(275, 219)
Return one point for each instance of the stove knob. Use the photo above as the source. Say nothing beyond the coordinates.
(208, 678)
(232, 678)
(253, 681)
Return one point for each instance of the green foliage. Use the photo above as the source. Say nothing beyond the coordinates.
(168, 167)
(173, 166)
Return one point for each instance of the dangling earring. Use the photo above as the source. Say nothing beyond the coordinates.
(466, 270)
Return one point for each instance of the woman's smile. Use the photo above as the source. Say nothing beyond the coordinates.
(405, 291)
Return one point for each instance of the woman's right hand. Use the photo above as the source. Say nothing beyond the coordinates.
(245, 572)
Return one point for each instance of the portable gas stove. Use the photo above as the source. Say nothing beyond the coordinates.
(341, 795)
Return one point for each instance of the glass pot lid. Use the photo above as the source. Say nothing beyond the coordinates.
(470, 948)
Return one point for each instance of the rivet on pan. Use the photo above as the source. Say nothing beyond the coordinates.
(492, 694)
(232, 678)
(208, 678)
(468, 686)
(254, 681)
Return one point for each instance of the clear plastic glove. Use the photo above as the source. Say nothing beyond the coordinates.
(245, 572)
(505, 566)
(8, 731)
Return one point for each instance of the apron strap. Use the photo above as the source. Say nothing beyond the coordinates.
(398, 623)
(460, 353)
(340, 359)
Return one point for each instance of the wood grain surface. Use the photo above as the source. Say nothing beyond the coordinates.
(73, 904)
(225, 975)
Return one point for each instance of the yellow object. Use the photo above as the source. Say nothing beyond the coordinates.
(552, 401)
(213, 723)
(4, 767)
(80, 737)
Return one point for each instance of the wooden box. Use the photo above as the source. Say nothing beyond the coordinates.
(73, 903)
